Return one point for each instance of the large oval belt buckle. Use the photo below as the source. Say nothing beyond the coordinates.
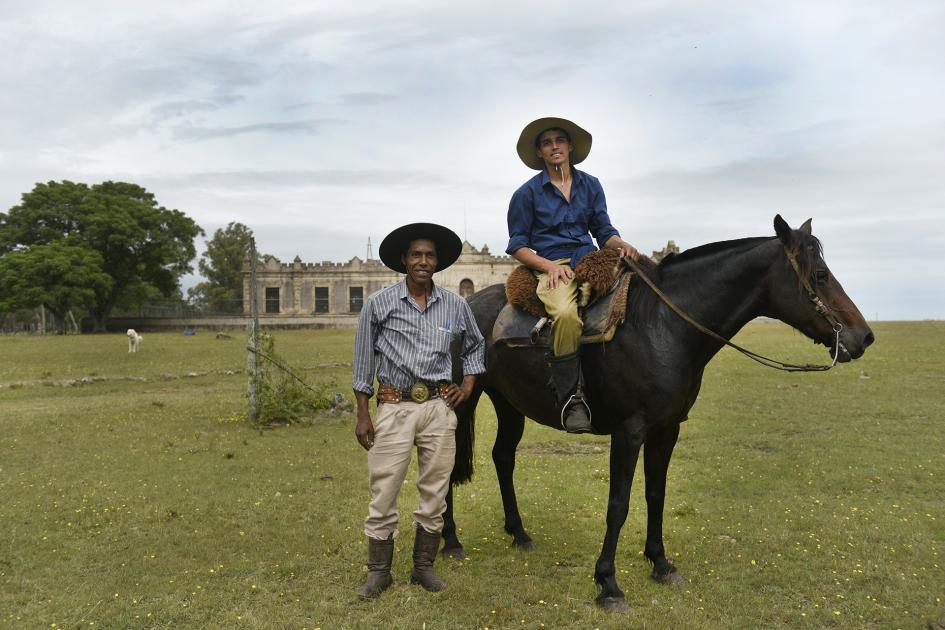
(420, 392)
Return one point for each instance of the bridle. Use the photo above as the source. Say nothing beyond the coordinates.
(819, 306)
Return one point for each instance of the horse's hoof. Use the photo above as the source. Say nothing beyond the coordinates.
(673, 578)
(527, 545)
(614, 604)
(456, 553)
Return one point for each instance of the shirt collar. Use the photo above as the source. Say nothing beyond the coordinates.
(577, 175)
(435, 294)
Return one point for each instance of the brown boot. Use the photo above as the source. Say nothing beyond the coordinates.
(425, 546)
(380, 557)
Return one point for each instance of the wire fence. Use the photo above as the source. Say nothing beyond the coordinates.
(183, 310)
(40, 321)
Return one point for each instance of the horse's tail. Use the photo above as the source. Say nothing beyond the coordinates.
(465, 439)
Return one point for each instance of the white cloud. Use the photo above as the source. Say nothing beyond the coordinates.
(319, 127)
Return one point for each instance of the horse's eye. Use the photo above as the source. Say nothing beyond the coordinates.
(821, 276)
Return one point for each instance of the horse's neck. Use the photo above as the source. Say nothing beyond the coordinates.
(724, 291)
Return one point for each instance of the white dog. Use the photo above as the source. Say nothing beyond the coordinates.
(133, 340)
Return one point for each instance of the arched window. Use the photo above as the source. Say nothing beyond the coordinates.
(466, 288)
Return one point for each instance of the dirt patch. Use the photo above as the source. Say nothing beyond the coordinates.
(566, 448)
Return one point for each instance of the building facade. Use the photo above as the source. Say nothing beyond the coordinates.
(332, 294)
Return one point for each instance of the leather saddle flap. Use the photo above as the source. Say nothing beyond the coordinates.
(515, 327)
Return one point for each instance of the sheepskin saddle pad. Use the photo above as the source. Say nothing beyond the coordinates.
(602, 298)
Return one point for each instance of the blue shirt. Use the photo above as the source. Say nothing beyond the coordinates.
(541, 219)
(406, 344)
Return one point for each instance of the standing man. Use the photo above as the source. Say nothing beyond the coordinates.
(404, 335)
(551, 219)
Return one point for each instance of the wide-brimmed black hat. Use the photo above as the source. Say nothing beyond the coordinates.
(395, 244)
(580, 141)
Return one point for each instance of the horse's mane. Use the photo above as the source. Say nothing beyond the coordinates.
(807, 252)
(711, 249)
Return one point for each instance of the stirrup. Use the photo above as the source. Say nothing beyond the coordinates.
(577, 400)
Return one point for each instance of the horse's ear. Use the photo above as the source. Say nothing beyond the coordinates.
(806, 227)
(783, 230)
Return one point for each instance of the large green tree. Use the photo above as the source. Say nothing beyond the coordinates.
(60, 277)
(142, 246)
(222, 266)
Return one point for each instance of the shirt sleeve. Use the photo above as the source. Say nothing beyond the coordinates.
(473, 354)
(363, 380)
(599, 222)
(521, 214)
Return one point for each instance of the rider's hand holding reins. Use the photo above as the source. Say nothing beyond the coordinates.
(626, 249)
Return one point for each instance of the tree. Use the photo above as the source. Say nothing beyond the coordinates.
(222, 266)
(141, 244)
(60, 277)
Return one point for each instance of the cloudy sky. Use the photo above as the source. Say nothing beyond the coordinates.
(322, 124)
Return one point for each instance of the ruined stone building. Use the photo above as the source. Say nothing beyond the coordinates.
(331, 294)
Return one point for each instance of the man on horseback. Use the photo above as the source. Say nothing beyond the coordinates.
(551, 219)
(404, 336)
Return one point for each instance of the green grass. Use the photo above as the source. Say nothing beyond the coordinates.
(143, 499)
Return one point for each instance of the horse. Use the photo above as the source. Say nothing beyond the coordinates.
(641, 385)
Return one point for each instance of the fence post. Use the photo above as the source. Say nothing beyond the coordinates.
(252, 342)
(75, 324)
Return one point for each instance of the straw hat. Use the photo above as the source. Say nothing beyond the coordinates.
(448, 245)
(580, 141)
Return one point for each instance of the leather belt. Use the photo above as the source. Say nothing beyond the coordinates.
(419, 392)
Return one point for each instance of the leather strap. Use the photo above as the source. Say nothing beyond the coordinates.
(773, 363)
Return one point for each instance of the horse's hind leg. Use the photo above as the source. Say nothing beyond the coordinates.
(511, 427)
(462, 471)
(452, 548)
(656, 455)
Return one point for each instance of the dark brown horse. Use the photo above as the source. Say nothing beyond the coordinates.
(641, 385)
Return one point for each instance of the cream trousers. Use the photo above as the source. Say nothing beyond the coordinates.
(561, 304)
(431, 427)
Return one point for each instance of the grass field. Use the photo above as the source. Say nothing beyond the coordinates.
(135, 495)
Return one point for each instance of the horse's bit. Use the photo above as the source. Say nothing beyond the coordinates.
(819, 306)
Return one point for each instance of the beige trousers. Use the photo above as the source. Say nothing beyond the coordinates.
(562, 306)
(431, 427)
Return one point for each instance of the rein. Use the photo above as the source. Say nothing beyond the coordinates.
(772, 363)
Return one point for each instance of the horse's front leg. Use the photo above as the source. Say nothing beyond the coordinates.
(656, 455)
(624, 450)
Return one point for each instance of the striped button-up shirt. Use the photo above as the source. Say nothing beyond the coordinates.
(405, 344)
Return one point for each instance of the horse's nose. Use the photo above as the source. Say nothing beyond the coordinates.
(868, 340)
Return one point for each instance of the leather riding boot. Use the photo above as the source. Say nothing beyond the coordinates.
(425, 546)
(568, 385)
(380, 557)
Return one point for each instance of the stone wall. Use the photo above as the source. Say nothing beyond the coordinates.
(297, 282)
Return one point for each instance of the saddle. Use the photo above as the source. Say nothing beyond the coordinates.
(602, 302)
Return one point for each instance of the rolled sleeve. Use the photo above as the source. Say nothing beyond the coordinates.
(520, 220)
(599, 221)
(363, 380)
(473, 354)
